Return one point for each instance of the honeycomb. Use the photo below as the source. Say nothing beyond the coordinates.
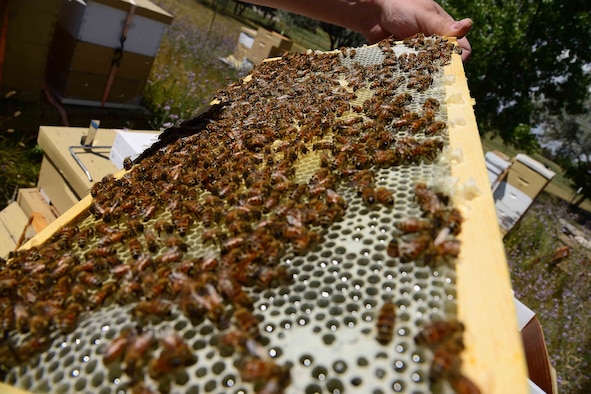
(294, 242)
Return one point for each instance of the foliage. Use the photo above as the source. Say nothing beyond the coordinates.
(556, 288)
(19, 167)
(338, 36)
(294, 20)
(526, 52)
(570, 137)
(341, 37)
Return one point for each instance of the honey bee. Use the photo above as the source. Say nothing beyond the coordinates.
(89, 279)
(438, 331)
(182, 224)
(414, 225)
(445, 362)
(64, 264)
(193, 207)
(234, 341)
(127, 163)
(208, 263)
(116, 349)
(148, 211)
(171, 255)
(39, 325)
(163, 225)
(151, 241)
(98, 298)
(334, 198)
(135, 247)
(143, 263)
(65, 321)
(431, 103)
(454, 221)
(258, 370)
(412, 250)
(81, 239)
(385, 323)
(461, 384)
(405, 119)
(384, 196)
(174, 242)
(136, 353)
(393, 248)
(234, 292)
(102, 251)
(449, 247)
(112, 238)
(174, 355)
(267, 277)
(135, 227)
(247, 322)
(128, 291)
(305, 242)
(368, 194)
(155, 307)
(67, 233)
(209, 299)
(214, 236)
(31, 346)
(435, 127)
(192, 309)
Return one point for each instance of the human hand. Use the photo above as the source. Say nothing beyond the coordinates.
(404, 18)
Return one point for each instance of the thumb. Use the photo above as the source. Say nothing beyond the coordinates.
(458, 28)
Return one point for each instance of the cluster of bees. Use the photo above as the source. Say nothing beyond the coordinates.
(134, 347)
(196, 225)
(445, 339)
(431, 237)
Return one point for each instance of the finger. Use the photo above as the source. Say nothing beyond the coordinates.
(466, 48)
(459, 28)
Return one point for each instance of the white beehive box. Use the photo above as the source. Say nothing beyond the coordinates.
(130, 144)
(90, 21)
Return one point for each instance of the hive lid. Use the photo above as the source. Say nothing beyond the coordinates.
(144, 8)
(535, 165)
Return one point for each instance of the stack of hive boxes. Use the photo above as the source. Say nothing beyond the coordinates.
(258, 45)
(267, 44)
(96, 40)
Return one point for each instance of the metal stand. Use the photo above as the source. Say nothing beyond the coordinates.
(86, 144)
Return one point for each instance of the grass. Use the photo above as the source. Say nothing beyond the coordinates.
(556, 288)
(187, 71)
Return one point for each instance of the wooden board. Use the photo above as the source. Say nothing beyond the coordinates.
(494, 356)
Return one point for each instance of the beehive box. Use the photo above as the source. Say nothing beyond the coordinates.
(88, 43)
(299, 238)
(267, 44)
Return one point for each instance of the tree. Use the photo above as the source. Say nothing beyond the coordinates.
(570, 136)
(526, 52)
(341, 37)
(338, 36)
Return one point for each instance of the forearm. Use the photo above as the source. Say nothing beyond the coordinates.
(353, 14)
(379, 19)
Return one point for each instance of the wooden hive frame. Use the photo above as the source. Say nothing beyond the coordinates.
(494, 357)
